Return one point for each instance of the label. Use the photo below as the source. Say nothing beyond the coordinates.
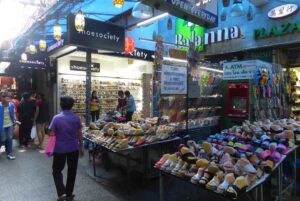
(275, 31)
(81, 66)
(173, 80)
(56, 45)
(282, 11)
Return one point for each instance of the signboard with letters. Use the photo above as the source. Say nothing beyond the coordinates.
(173, 80)
(201, 12)
(240, 70)
(81, 66)
(97, 35)
(138, 53)
(283, 11)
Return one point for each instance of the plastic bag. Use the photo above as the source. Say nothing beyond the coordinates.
(33, 133)
(49, 150)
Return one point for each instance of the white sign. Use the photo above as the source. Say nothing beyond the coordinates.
(282, 11)
(241, 70)
(173, 80)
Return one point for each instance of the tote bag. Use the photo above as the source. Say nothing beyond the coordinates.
(50, 146)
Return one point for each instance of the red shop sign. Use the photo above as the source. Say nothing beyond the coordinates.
(283, 11)
(6, 81)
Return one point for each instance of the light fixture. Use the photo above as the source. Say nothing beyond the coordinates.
(79, 21)
(211, 69)
(190, 24)
(141, 11)
(24, 57)
(118, 3)
(151, 20)
(237, 9)
(169, 24)
(32, 49)
(42, 45)
(250, 13)
(174, 59)
(129, 45)
(57, 32)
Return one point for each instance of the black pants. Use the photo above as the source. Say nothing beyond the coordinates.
(129, 116)
(59, 161)
(24, 133)
(95, 115)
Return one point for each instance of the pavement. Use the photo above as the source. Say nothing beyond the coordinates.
(29, 178)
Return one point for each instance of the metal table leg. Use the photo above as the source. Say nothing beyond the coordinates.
(295, 172)
(94, 162)
(261, 188)
(161, 187)
(280, 182)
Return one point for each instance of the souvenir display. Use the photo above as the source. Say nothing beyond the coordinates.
(234, 159)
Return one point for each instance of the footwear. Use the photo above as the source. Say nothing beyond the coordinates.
(11, 157)
(209, 173)
(239, 186)
(229, 179)
(70, 198)
(215, 182)
(196, 178)
(178, 166)
(62, 198)
(243, 166)
(163, 159)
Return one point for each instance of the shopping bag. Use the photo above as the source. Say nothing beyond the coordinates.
(33, 133)
(50, 146)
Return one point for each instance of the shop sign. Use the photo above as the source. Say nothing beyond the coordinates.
(220, 35)
(284, 29)
(243, 69)
(81, 66)
(173, 80)
(32, 63)
(201, 12)
(140, 54)
(58, 44)
(283, 11)
(97, 35)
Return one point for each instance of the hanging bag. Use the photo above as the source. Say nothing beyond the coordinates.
(50, 146)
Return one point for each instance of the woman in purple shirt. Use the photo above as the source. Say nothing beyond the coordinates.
(66, 126)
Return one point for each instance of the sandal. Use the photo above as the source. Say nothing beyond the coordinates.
(202, 163)
(239, 186)
(192, 171)
(243, 166)
(162, 160)
(209, 172)
(196, 178)
(215, 182)
(178, 166)
(229, 179)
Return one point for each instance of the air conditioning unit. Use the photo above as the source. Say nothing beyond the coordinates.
(259, 2)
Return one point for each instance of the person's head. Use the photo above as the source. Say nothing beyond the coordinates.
(94, 94)
(127, 93)
(25, 96)
(6, 97)
(121, 94)
(32, 94)
(66, 102)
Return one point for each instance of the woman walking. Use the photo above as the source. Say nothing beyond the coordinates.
(42, 118)
(66, 126)
(95, 106)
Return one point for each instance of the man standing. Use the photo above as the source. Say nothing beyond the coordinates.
(7, 119)
(130, 106)
(26, 112)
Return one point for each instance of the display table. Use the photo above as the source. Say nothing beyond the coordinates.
(127, 155)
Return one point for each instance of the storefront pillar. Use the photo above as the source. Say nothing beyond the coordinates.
(88, 87)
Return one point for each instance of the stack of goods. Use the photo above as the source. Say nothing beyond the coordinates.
(234, 159)
(117, 136)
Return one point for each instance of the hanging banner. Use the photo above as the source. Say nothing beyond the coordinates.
(96, 35)
(173, 80)
(200, 12)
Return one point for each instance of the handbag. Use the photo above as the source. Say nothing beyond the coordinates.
(50, 146)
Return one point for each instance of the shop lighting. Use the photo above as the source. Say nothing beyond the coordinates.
(141, 11)
(42, 45)
(24, 57)
(237, 9)
(190, 24)
(4, 65)
(79, 21)
(57, 32)
(118, 3)
(151, 20)
(211, 69)
(32, 49)
(175, 60)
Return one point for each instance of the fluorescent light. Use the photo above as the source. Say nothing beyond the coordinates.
(176, 60)
(4, 65)
(151, 20)
(211, 69)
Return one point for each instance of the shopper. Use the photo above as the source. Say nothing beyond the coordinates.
(26, 110)
(130, 107)
(7, 119)
(66, 126)
(42, 118)
(121, 102)
(95, 106)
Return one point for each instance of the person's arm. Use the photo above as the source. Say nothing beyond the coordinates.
(80, 139)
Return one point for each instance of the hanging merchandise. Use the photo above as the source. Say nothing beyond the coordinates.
(118, 3)
(57, 32)
(42, 45)
(24, 57)
(32, 49)
(79, 21)
(129, 45)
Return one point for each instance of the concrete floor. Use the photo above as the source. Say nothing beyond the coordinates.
(29, 178)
